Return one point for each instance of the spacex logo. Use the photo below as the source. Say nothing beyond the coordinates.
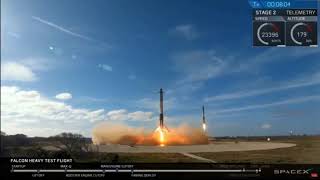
(291, 171)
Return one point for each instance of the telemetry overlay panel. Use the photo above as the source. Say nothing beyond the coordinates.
(284, 23)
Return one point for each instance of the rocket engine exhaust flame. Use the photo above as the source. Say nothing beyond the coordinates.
(161, 138)
(162, 135)
(204, 127)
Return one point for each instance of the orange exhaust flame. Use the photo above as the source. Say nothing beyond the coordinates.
(162, 134)
(161, 137)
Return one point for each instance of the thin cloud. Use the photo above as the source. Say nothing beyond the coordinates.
(204, 64)
(105, 67)
(62, 29)
(132, 77)
(153, 104)
(271, 55)
(261, 106)
(266, 126)
(124, 115)
(64, 96)
(92, 99)
(187, 31)
(199, 65)
(13, 71)
(13, 34)
(310, 81)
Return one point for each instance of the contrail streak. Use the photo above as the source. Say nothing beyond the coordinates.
(62, 29)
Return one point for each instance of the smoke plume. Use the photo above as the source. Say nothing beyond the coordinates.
(116, 133)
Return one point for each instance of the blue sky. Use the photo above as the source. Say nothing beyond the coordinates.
(69, 65)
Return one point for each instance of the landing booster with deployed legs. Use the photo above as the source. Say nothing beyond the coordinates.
(204, 124)
(161, 109)
(161, 118)
(203, 117)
